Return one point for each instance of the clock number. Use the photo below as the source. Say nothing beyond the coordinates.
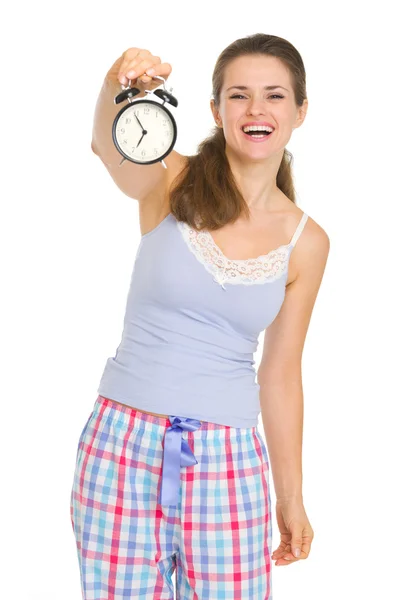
(146, 110)
(127, 121)
(164, 122)
(123, 130)
(136, 112)
(155, 150)
(143, 152)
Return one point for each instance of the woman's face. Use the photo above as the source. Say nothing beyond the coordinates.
(255, 104)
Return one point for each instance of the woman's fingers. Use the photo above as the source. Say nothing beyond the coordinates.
(283, 556)
(281, 551)
(282, 562)
(130, 58)
(133, 56)
(139, 68)
(141, 64)
(162, 70)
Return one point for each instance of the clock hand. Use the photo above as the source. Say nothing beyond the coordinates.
(143, 134)
(139, 122)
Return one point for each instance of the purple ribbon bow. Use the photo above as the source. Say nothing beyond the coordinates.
(176, 454)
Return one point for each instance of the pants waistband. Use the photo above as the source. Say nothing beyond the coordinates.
(177, 452)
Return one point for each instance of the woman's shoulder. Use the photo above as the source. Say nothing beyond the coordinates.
(310, 240)
(296, 216)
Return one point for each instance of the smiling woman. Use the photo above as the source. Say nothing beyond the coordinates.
(228, 256)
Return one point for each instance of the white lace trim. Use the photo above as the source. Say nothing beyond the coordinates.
(264, 268)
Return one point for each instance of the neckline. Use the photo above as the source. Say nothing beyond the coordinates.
(261, 257)
(263, 268)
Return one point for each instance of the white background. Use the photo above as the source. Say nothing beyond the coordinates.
(69, 237)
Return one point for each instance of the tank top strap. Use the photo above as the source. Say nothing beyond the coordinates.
(299, 229)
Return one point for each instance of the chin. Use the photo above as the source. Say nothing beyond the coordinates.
(254, 156)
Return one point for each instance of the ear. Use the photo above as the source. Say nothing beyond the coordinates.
(215, 112)
(301, 114)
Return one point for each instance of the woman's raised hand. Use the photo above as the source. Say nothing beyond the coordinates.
(140, 66)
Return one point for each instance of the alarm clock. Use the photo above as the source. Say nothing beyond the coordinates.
(144, 131)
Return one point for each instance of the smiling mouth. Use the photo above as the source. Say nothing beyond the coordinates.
(257, 135)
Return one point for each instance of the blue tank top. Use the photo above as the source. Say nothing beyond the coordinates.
(192, 322)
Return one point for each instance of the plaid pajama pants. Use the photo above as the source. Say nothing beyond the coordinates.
(217, 538)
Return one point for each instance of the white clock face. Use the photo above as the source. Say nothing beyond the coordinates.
(145, 131)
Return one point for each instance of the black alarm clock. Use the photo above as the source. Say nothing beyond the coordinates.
(144, 131)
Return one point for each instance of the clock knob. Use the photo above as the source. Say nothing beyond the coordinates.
(128, 93)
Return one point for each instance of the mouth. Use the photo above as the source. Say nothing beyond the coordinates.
(257, 134)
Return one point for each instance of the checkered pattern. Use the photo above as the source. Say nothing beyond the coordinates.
(218, 538)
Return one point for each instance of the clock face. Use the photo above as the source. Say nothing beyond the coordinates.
(144, 131)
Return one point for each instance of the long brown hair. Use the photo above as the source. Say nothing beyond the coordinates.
(205, 189)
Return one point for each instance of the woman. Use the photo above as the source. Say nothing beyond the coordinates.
(171, 471)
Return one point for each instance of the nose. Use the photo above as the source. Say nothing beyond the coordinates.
(256, 107)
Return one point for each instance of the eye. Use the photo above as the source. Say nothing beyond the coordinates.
(241, 96)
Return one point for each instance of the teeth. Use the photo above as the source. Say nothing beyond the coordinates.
(257, 128)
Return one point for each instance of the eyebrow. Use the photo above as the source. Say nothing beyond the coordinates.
(267, 87)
